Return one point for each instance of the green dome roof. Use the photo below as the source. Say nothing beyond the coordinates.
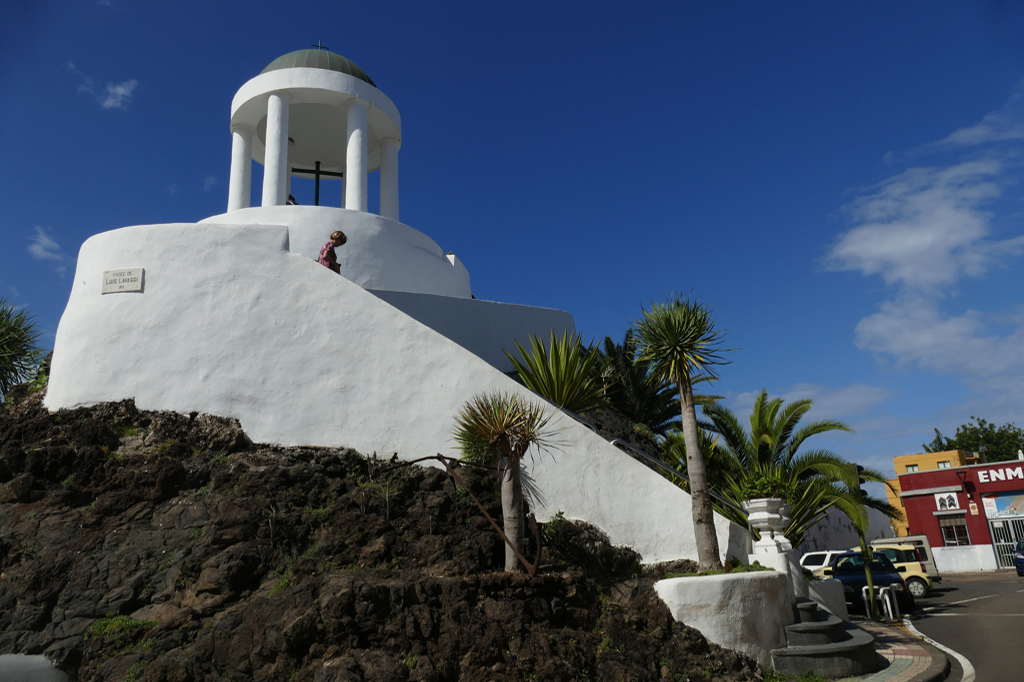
(319, 59)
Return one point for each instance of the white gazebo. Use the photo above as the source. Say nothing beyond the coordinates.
(313, 113)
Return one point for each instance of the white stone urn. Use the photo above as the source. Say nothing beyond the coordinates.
(770, 516)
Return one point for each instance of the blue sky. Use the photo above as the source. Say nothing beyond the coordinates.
(840, 182)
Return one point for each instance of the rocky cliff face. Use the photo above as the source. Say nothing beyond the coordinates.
(158, 546)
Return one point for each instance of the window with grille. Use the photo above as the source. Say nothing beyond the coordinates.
(954, 530)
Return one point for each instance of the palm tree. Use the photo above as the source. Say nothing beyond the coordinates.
(564, 372)
(680, 341)
(813, 482)
(635, 390)
(19, 355)
(500, 428)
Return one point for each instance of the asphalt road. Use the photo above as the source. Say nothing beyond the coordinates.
(981, 617)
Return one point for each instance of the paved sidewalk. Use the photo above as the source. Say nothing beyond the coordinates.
(906, 658)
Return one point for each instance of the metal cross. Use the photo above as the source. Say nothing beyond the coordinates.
(319, 46)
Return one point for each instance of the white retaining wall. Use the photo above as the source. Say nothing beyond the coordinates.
(746, 612)
(966, 559)
(232, 324)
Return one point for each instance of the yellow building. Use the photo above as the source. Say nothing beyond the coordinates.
(924, 461)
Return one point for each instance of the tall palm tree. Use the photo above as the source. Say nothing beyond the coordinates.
(680, 341)
(19, 355)
(500, 428)
(813, 481)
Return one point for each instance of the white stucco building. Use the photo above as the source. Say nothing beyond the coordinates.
(233, 315)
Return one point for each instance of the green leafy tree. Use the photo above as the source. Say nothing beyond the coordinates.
(994, 444)
(564, 372)
(767, 457)
(500, 428)
(680, 341)
(19, 354)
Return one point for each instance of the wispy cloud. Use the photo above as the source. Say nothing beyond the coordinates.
(172, 190)
(43, 247)
(115, 96)
(914, 331)
(926, 227)
(830, 402)
(209, 182)
(1005, 123)
(118, 95)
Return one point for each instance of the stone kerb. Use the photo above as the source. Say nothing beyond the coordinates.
(747, 612)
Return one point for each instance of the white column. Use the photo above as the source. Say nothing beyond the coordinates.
(240, 180)
(389, 178)
(275, 163)
(355, 157)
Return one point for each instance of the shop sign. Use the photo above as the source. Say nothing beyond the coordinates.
(993, 475)
(944, 501)
(1008, 504)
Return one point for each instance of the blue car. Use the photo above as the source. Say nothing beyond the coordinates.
(1018, 558)
(848, 569)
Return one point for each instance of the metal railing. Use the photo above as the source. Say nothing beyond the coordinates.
(646, 458)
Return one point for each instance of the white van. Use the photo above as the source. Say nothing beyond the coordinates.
(924, 550)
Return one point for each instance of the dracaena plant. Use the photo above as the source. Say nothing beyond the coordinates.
(564, 371)
(499, 429)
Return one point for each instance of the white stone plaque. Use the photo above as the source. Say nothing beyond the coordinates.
(116, 281)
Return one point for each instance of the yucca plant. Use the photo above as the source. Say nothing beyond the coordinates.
(564, 372)
(19, 354)
(500, 428)
(680, 341)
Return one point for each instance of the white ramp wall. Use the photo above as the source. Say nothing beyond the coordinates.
(231, 323)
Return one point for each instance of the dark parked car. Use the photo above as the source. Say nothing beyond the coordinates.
(1018, 558)
(848, 568)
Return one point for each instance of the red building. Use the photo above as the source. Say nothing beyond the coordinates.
(973, 515)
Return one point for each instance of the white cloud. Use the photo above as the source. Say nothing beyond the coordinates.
(926, 227)
(118, 95)
(914, 331)
(922, 231)
(1005, 123)
(840, 403)
(44, 247)
(209, 182)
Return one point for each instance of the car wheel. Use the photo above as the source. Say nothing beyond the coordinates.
(1020, 573)
(917, 587)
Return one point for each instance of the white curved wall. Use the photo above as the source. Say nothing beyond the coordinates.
(379, 254)
(233, 324)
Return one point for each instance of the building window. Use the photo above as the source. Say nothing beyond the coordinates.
(954, 530)
(944, 465)
(911, 468)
